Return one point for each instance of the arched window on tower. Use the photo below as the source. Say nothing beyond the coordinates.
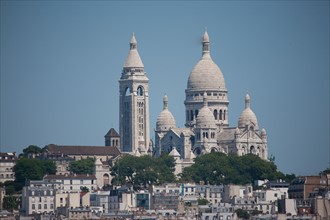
(220, 114)
(191, 115)
(127, 91)
(215, 113)
(187, 115)
(140, 91)
(196, 113)
(224, 114)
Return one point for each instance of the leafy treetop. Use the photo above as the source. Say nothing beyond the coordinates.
(143, 171)
(218, 168)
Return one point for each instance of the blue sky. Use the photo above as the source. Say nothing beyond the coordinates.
(61, 62)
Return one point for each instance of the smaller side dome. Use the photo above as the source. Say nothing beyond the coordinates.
(248, 116)
(205, 118)
(165, 120)
(263, 132)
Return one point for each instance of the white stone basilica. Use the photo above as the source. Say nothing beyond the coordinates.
(206, 107)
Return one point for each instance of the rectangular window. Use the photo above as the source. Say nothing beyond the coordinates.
(39, 206)
(33, 206)
(45, 206)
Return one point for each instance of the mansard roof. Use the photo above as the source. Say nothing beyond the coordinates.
(69, 177)
(83, 150)
(112, 133)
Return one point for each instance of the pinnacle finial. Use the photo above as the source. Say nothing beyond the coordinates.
(133, 42)
(165, 102)
(206, 45)
(206, 36)
(247, 100)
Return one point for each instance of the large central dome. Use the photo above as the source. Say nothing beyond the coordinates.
(206, 75)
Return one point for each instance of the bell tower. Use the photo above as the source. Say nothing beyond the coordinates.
(134, 104)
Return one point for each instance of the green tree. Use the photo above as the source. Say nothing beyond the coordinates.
(165, 167)
(84, 189)
(212, 168)
(31, 149)
(83, 166)
(48, 167)
(32, 169)
(10, 189)
(218, 168)
(326, 171)
(289, 177)
(11, 202)
(143, 171)
(242, 214)
(202, 201)
(271, 158)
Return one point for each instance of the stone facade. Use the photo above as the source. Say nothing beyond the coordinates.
(74, 182)
(102, 173)
(7, 162)
(39, 197)
(134, 104)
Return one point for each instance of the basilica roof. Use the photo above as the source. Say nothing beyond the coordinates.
(247, 116)
(206, 75)
(133, 59)
(227, 134)
(205, 118)
(83, 150)
(165, 120)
